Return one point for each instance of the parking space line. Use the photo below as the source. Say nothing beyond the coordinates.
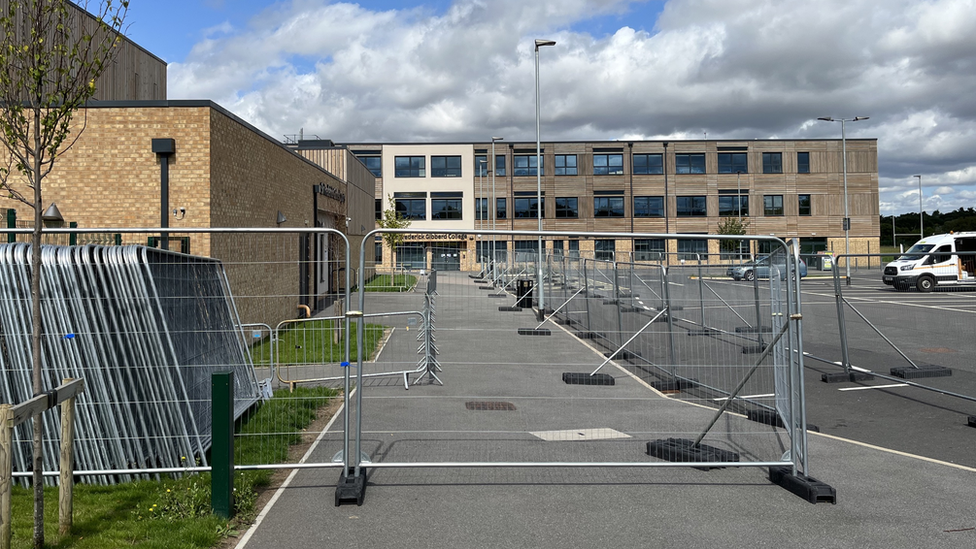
(874, 387)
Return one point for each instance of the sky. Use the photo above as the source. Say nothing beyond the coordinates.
(464, 70)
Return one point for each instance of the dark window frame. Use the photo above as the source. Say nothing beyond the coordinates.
(567, 207)
(691, 206)
(804, 210)
(523, 207)
(772, 162)
(416, 166)
(770, 209)
(646, 167)
(803, 162)
(733, 162)
(564, 169)
(529, 169)
(608, 206)
(602, 164)
(689, 163)
(643, 206)
(451, 168)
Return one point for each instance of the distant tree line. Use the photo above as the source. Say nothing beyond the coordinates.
(906, 225)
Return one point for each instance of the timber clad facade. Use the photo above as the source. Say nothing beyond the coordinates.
(784, 188)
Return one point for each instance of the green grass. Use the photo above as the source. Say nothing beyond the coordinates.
(391, 283)
(314, 342)
(174, 513)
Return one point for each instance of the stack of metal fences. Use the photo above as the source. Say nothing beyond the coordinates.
(145, 329)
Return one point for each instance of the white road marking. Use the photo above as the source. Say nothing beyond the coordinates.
(874, 387)
(580, 434)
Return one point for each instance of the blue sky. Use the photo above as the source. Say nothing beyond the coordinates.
(462, 70)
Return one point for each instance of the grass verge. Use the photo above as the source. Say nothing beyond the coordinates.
(317, 342)
(391, 283)
(174, 513)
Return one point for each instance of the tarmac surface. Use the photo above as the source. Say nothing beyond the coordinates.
(502, 400)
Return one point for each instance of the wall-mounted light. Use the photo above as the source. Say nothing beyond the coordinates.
(281, 218)
(179, 213)
(52, 214)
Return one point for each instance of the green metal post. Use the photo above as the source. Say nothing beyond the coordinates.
(222, 450)
(73, 237)
(11, 224)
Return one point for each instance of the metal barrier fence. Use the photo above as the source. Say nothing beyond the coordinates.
(621, 384)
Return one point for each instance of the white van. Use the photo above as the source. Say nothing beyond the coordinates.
(933, 262)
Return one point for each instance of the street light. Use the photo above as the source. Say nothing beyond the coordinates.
(493, 206)
(482, 164)
(921, 225)
(847, 218)
(538, 174)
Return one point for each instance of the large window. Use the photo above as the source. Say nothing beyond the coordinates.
(378, 205)
(411, 205)
(648, 164)
(608, 164)
(648, 206)
(772, 162)
(604, 249)
(802, 162)
(525, 164)
(445, 205)
(565, 164)
(573, 249)
(526, 205)
(773, 205)
(567, 207)
(649, 249)
(608, 206)
(691, 250)
(526, 250)
(374, 164)
(803, 202)
(481, 208)
(410, 166)
(733, 162)
(378, 249)
(501, 211)
(689, 163)
(691, 206)
(732, 203)
(481, 167)
(445, 166)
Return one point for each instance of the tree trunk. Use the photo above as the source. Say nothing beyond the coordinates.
(38, 461)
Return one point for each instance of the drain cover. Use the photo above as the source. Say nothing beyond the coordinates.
(489, 405)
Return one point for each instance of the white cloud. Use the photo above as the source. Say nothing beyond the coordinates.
(731, 68)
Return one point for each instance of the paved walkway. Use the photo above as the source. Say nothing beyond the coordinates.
(885, 499)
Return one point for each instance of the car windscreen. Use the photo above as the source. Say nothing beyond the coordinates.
(916, 252)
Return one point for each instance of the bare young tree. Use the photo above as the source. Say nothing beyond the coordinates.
(52, 52)
(392, 219)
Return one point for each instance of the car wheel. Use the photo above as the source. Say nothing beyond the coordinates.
(749, 275)
(925, 284)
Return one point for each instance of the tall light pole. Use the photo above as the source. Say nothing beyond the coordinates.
(921, 225)
(494, 205)
(538, 173)
(482, 165)
(847, 218)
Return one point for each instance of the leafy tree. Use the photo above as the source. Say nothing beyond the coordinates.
(51, 55)
(393, 220)
(731, 226)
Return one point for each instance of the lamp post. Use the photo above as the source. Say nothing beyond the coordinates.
(538, 174)
(921, 225)
(847, 219)
(493, 206)
(482, 165)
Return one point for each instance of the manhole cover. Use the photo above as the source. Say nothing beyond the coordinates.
(489, 405)
(937, 350)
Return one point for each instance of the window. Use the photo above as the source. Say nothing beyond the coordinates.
(733, 202)
(573, 248)
(772, 162)
(557, 247)
(480, 165)
(803, 202)
(648, 206)
(445, 205)
(608, 164)
(567, 207)
(773, 204)
(608, 206)
(411, 205)
(481, 208)
(689, 163)
(500, 209)
(565, 164)
(378, 250)
(527, 250)
(604, 249)
(379, 208)
(445, 166)
(525, 165)
(733, 163)
(526, 205)
(648, 164)
(802, 162)
(499, 165)
(734, 249)
(691, 206)
(409, 166)
(649, 249)
(374, 164)
(692, 250)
